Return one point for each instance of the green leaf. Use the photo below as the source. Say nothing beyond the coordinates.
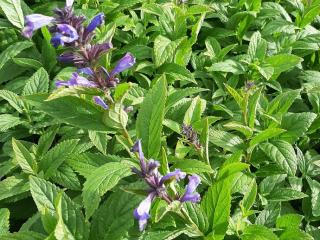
(315, 196)
(289, 221)
(176, 72)
(283, 154)
(24, 157)
(257, 47)
(12, 10)
(252, 107)
(228, 170)
(8, 121)
(101, 181)
(283, 62)
(99, 140)
(179, 94)
(192, 166)
(296, 125)
(56, 156)
(164, 49)
(285, 194)
(27, 63)
(246, 131)
(38, 83)
(197, 216)
(295, 234)
(72, 110)
(27, 235)
(249, 197)
(46, 196)
(114, 218)
(225, 140)
(309, 15)
(150, 118)
(265, 135)
(13, 51)
(13, 186)
(45, 141)
(193, 114)
(258, 232)
(4, 220)
(13, 99)
(216, 204)
(228, 65)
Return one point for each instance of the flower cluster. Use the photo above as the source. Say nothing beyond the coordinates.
(68, 30)
(157, 185)
(190, 135)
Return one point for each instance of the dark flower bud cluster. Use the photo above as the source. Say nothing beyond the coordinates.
(68, 30)
(191, 135)
(157, 185)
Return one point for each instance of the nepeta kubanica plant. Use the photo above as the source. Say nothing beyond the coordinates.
(69, 31)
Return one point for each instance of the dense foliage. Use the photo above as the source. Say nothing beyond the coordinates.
(159, 119)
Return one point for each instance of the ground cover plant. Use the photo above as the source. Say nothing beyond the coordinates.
(135, 119)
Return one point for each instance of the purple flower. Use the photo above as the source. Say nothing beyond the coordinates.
(95, 22)
(141, 213)
(86, 70)
(65, 34)
(138, 148)
(34, 22)
(76, 80)
(124, 63)
(177, 174)
(190, 194)
(98, 100)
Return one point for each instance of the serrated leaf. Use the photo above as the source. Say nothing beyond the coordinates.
(265, 135)
(46, 195)
(4, 220)
(24, 157)
(296, 125)
(100, 140)
(283, 62)
(164, 49)
(258, 232)
(289, 221)
(23, 235)
(12, 10)
(114, 217)
(150, 117)
(283, 154)
(13, 51)
(13, 186)
(72, 110)
(217, 204)
(101, 181)
(8, 121)
(285, 194)
(225, 140)
(56, 156)
(38, 83)
(228, 65)
(13, 99)
(315, 196)
(192, 166)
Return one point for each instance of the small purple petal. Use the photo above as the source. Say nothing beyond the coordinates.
(86, 70)
(76, 80)
(190, 194)
(66, 34)
(95, 22)
(98, 100)
(34, 22)
(56, 40)
(177, 174)
(141, 213)
(124, 63)
(153, 166)
(137, 147)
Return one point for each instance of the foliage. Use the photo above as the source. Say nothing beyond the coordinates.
(227, 90)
